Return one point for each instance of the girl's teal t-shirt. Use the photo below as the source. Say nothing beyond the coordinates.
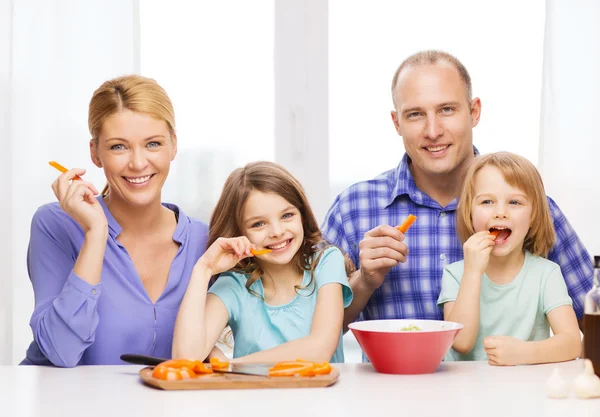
(257, 326)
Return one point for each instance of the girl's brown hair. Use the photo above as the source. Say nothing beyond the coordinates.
(522, 174)
(130, 92)
(267, 177)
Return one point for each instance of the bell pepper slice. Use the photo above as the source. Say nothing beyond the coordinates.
(216, 363)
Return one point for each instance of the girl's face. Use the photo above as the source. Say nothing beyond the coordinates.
(135, 150)
(270, 221)
(499, 206)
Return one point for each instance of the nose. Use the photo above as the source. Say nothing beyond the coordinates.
(137, 160)
(500, 212)
(275, 230)
(434, 128)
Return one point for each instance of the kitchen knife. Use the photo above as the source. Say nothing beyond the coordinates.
(237, 368)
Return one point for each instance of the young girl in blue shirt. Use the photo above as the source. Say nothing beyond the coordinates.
(505, 292)
(281, 305)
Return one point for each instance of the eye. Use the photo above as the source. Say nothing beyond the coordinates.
(486, 202)
(413, 115)
(287, 216)
(153, 144)
(118, 147)
(258, 224)
(515, 202)
(447, 110)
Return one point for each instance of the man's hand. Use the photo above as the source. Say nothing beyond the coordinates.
(381, 249)
(503, 350)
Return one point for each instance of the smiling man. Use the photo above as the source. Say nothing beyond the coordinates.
(435, 114)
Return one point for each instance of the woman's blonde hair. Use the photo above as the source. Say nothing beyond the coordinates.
(522, 174)
(267, 177)
(130, 92)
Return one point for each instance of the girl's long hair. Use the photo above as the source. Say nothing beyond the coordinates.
(268, 177)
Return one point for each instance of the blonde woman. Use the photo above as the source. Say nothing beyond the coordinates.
(110, 271)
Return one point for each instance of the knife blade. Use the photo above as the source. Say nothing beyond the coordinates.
(236, 368)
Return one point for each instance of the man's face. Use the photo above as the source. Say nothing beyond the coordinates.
(435, 119)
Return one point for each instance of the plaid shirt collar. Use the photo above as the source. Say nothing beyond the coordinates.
(403, 183)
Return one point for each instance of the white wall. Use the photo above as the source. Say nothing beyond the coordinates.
(569, 141)
(6, 249)
(75, 46)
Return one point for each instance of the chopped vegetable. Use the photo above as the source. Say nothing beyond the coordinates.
(216, 363)
(411, 328)
(407, 223)
(177, 369)
(300, 368)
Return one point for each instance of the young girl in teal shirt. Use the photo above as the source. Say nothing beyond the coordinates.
(281, 305)
(505, 292)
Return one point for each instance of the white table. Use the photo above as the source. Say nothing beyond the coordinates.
(465, 389)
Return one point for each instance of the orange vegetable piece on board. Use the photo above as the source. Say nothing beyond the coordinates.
(407, 223)
(300, 367)
(169, 373)
(216, 363)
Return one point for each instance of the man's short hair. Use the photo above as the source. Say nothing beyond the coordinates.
(432, 57)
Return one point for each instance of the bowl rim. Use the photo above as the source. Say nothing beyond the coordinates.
(456, 326)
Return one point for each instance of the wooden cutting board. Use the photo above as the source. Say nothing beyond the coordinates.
(237, 381)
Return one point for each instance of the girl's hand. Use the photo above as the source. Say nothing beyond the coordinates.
(78, 200)
(503, 350)
(224, 254)
(477, 252)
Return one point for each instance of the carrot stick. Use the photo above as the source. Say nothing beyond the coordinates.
(407, 223)
(62, 169)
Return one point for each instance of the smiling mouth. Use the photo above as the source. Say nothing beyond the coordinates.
(279, 246)
(138, 180)
(501, 233)
(436, 149)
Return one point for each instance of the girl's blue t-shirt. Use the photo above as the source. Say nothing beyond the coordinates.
(257, 326)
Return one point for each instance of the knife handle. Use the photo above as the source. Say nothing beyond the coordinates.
(141, 359)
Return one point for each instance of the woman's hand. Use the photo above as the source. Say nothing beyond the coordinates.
(224, 254)
(477, 252)
(78, 200)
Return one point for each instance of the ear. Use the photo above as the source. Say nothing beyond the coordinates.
(94, 154)
(394, 115)
(174, 151)
(475, 110)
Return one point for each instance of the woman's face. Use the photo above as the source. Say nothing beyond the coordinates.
(135, 150)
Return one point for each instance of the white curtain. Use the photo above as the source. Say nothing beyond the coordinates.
(53, 55)
(569, 131)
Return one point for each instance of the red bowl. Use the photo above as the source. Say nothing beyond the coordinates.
(395, 351)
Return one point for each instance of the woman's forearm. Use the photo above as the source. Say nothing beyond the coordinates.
(88, 265)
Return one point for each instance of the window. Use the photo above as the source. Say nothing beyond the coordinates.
(217, 67)
(501, 45)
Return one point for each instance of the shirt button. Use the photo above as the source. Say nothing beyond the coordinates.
(443, 214)
(442, 256)
(94, 291)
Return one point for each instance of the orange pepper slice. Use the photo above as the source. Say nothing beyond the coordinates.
(169, 373)
(258, 252)
(216, 363)
(300, 367)
(495, 233)
(407, 223)
(288, 371)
